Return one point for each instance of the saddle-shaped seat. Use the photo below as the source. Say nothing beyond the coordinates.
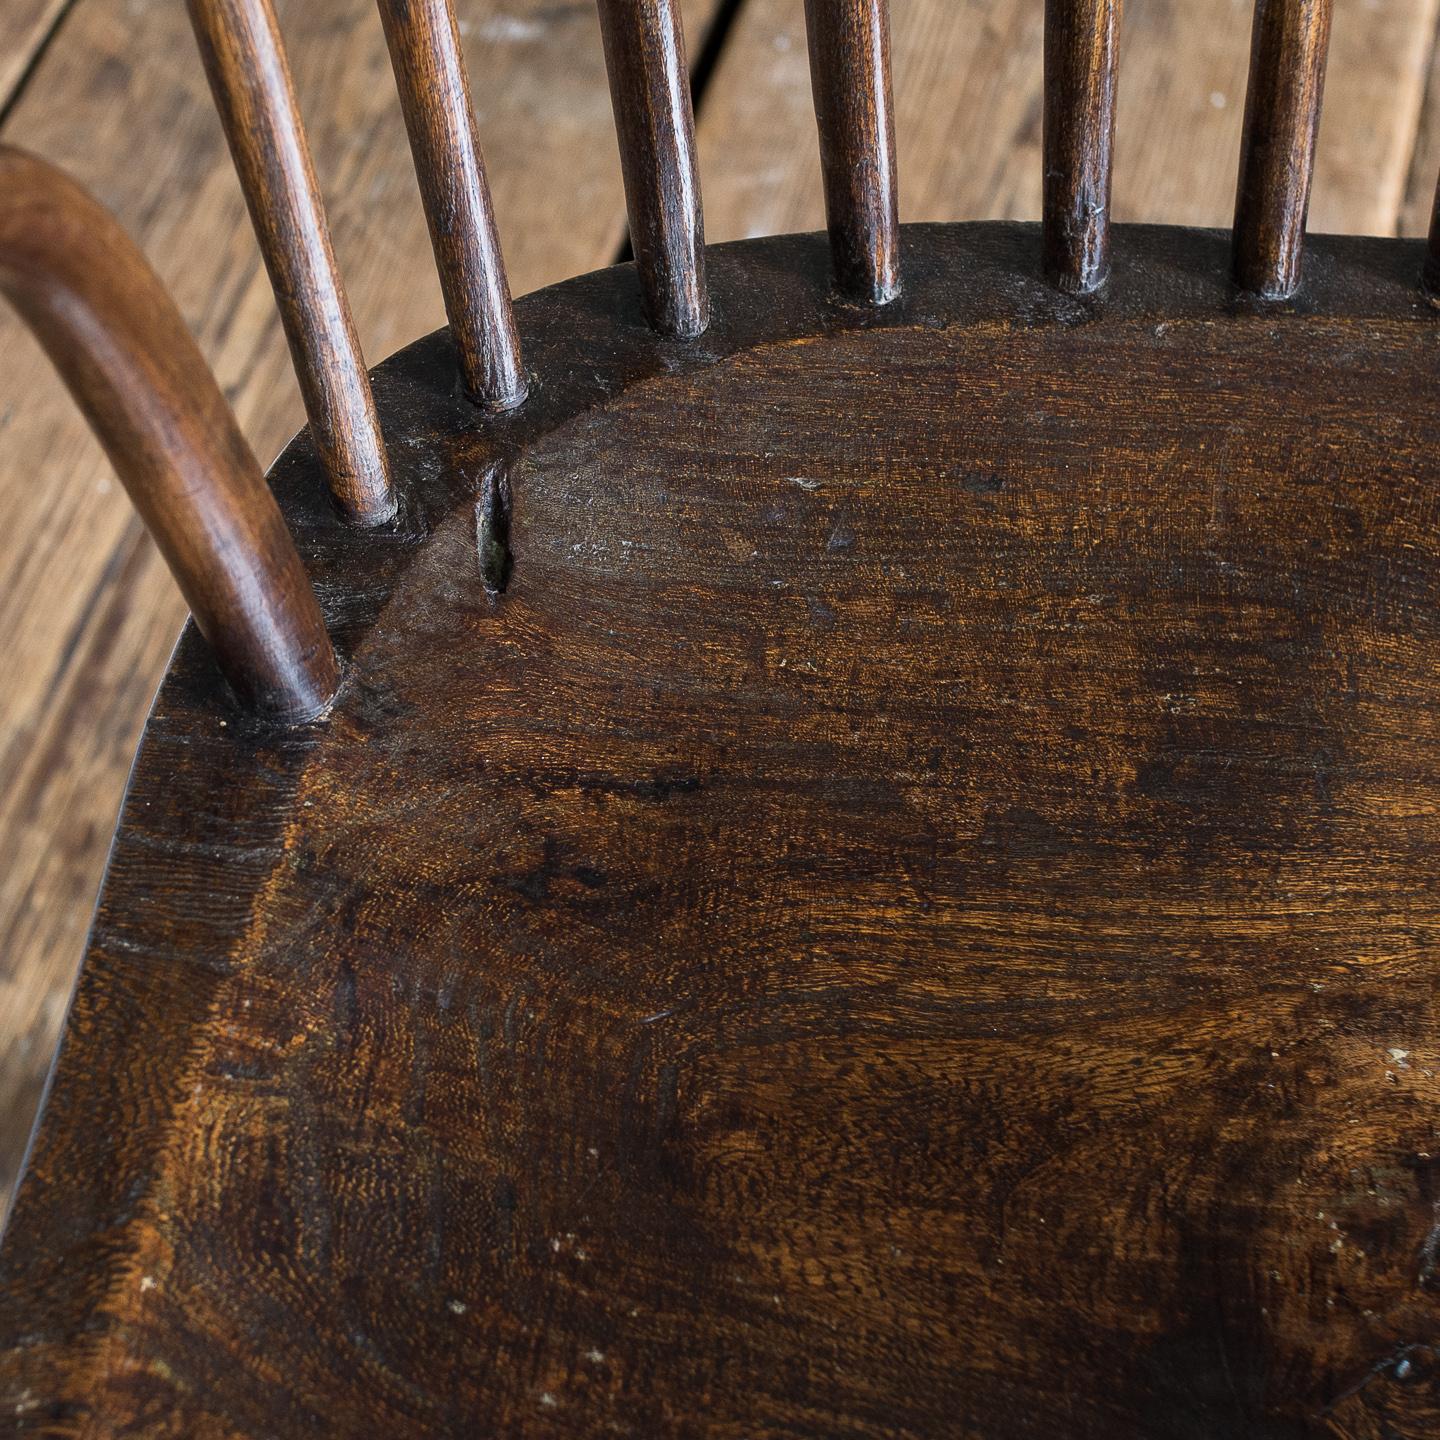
(863, 863)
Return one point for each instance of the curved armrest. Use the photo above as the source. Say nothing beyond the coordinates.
(119, 343)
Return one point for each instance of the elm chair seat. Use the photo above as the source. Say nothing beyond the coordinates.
(870, 872)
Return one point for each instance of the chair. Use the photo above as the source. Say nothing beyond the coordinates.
(843, 844)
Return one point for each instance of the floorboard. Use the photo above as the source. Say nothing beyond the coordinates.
(25, 28)
(1419, 199)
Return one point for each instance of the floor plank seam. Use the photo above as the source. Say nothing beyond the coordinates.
(37, 58)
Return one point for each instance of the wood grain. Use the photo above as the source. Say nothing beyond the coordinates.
(119, 343)
(24, 27)
(1082, 54)
(849, 47)
(981, 984)
(435, 97)
(650, 92)
(1288, 53)
(244, 57)
(89, 610)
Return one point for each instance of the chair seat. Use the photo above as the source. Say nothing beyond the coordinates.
(906, 905)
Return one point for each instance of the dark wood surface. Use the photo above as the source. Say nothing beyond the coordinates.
(1082, 44)
(118, 341)
(849, 47)
(655, 124)
(88, 598)
(1277, 147)
(912, 913)
(249, 76)
(429, 64)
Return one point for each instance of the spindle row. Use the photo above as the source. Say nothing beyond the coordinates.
(650, 88)
(175, 443)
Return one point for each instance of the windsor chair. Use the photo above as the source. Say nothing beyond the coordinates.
(844, 848)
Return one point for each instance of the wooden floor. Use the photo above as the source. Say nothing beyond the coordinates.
(112, 89)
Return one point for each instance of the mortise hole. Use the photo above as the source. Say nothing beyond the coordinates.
(492, 531)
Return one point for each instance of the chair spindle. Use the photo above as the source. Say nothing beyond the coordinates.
(1277, 149)
(850, 77)
(1081, 65)
(115, 336)
(655, 124)
(434, 90)
(250, 78)
(1432, 255)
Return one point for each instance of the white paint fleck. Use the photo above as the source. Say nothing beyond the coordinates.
(457, 1307)
(548, 1400)
(595, 1357)
(147, 1282)
(1218, 100)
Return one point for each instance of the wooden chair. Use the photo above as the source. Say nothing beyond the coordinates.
(845, 848)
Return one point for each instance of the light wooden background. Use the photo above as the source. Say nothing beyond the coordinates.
(112, 89)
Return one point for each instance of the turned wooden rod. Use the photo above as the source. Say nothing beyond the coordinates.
(434, 91)
(850, 79)
(1277, 148)
(119, 343)
(1082, 42)
(650, 93)
(250, 78)
(1432, 254)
